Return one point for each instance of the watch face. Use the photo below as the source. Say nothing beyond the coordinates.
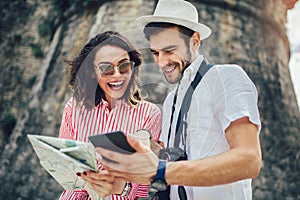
(159, 185)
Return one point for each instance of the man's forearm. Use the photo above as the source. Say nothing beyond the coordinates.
(227, 167)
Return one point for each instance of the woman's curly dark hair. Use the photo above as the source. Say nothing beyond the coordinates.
(85, 88)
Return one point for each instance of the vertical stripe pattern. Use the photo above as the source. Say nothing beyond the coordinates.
(79, 123)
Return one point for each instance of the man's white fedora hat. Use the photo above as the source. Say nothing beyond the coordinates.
(177, 12)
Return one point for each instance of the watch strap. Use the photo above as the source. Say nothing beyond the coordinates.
(161, 170)
(126, 189)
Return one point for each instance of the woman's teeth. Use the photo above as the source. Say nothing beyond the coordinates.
(116, 85)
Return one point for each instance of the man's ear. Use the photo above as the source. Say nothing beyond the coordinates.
(195, 40)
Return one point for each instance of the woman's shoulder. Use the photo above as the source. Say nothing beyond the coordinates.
(69, 103)
(72, 103)
(147, 104)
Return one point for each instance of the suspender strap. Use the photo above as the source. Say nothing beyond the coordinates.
(185, 106)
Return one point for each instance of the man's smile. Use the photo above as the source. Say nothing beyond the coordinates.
(170, 68)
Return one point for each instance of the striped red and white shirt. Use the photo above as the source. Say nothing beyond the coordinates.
(78, 123)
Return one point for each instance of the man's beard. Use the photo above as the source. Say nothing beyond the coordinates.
(187, 61)
(185, 64)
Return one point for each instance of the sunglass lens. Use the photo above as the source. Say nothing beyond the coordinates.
(182, 193)
(107, 70)
(125, 67)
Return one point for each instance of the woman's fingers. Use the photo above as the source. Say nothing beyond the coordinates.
(103, 182)
(97, 177)
(103, 190)
(100, 181)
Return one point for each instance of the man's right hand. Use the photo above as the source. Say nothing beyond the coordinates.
(139, 167)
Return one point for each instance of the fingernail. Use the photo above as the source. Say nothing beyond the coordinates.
(78, 174)
(84, 173)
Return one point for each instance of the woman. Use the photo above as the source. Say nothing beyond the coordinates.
(106, 98)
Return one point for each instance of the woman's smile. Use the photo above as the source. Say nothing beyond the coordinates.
(116, 85)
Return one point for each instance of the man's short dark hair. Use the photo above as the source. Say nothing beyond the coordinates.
(154, 28)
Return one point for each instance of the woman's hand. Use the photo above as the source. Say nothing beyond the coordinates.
(103, 183)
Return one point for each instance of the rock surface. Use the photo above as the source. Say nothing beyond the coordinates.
(36, 36)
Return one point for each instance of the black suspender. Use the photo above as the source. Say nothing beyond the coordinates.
(185, 106)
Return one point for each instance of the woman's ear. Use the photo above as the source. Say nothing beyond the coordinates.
(93, 75)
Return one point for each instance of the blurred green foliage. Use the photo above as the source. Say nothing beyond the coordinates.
(37, 50)
(13, 13)
(7, 124)
(62, 10)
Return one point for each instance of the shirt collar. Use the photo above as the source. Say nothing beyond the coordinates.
(118, 103)
(191, 70)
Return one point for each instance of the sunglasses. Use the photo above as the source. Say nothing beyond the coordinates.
(109, 69)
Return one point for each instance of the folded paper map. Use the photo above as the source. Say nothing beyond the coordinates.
(63, 158)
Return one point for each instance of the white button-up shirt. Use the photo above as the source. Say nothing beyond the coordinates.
(224, 95)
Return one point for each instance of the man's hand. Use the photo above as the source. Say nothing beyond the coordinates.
(139, 167)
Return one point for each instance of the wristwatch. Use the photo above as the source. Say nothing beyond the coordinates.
(126, 189)
(159, 182)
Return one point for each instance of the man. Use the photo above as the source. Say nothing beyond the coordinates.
(221, 130)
